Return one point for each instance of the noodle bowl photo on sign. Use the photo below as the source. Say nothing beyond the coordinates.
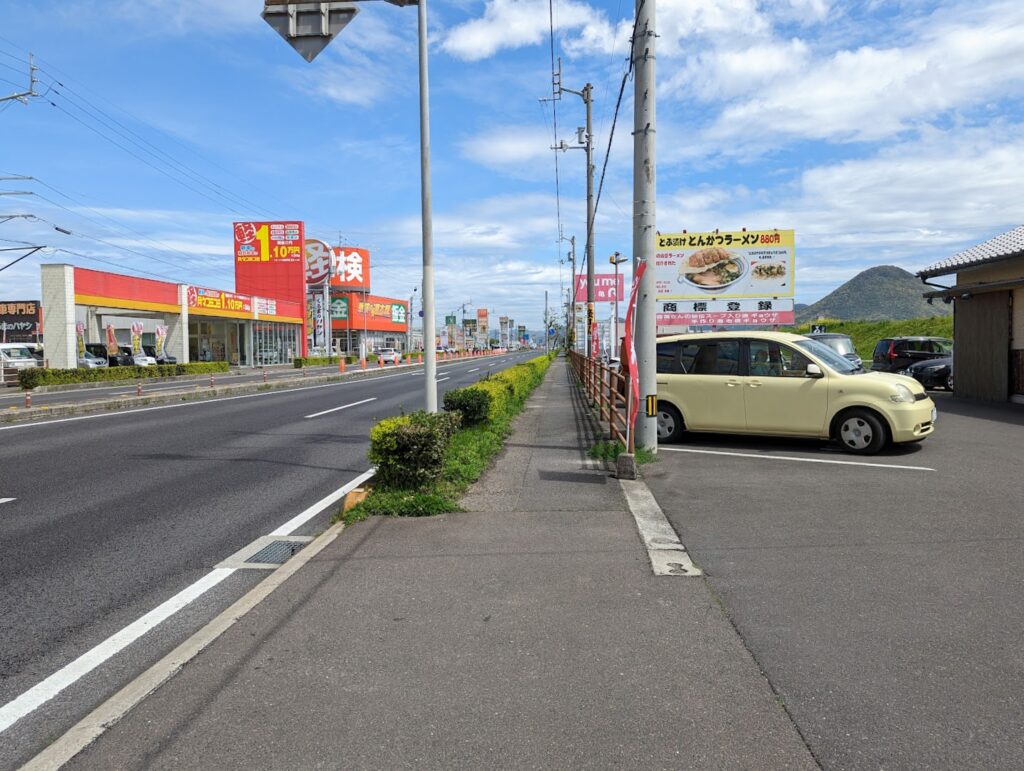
(712, 269)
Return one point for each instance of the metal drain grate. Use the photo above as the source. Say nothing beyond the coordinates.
(276, 552)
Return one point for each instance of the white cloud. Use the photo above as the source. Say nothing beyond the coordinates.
(514, 149)
(871, 93)
(512, 24)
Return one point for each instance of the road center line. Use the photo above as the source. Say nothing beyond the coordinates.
(475, 369)
(7, 500)
(198, 402)
(799, 460)
(342, 407)
(41, 693)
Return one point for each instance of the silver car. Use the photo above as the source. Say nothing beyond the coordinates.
(90, 361)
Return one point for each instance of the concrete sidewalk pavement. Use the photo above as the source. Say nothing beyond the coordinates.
(525, 632)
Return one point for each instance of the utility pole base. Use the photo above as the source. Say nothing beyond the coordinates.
(625, 466)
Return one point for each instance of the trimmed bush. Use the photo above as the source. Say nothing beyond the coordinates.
(474, 404)
(409, 450)
(31, 378)
(314, 361)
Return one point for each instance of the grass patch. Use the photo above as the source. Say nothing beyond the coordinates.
(606, 450)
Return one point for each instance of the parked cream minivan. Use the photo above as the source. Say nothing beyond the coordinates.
(779, 384)
(17, 355)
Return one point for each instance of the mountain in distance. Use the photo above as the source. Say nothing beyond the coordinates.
(884, 292)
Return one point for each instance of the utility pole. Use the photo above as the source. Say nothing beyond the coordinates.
(547, 337)
(570, 342)
(644, 208)
(584, 138)
(24, 96)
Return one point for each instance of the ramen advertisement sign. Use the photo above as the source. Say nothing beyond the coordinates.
(750, 264)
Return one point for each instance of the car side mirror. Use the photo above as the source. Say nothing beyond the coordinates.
(813, 370)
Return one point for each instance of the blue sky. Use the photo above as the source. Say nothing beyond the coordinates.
(882, 132)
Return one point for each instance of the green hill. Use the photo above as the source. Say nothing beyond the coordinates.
(881, 293)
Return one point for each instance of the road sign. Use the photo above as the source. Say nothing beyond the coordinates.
(308, 27)
(450, 321)
(817, 329)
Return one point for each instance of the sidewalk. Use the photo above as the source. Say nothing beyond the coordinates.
(526, 632)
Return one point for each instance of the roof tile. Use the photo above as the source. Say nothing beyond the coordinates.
(1004, 245)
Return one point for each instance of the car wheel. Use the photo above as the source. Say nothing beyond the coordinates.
(949, 382)
(670, 424)
(860, 432)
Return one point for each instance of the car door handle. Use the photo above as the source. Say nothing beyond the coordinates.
(754, 383)
(661, 382)
(732, 383)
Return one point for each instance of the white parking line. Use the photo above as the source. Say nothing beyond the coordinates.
(799, 460)
(41, 693)
(342, 407)
(7, 500)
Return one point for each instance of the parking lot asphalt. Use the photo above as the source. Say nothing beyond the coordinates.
(882, 596)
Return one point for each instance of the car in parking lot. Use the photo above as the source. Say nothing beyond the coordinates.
(780, 384)
(893, 354)
(17, 356)
(150, 351)
(840, 343)
(119, 359)
(389, 355)
(138, 359)
(932, 373)
(89, 360)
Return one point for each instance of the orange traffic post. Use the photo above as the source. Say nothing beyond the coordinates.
(380, 362)
(28, 399)
(264, 376)
(211, 381)
(341, 364)
(421, 358)
(362, 362)
(138, 388)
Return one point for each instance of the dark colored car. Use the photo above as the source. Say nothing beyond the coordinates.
(893, 354)
(150, 350)
(841, 344)
(932, 373)
(119, 360)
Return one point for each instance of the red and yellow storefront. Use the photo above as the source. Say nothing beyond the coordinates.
(363, 323)
(190, 323)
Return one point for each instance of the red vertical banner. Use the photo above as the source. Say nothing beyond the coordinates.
(634, 377)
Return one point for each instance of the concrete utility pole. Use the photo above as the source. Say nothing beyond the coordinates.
(570, 342)
(547, 323)
(644, 200)
(585, 137)
(23, 96)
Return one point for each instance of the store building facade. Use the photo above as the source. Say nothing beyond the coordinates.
(364, 323)
(190, 323)
(988, 322)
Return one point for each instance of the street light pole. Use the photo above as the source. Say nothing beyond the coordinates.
(616, 260)
(430, 353)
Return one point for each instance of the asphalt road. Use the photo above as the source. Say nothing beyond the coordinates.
(14, 398)
(112, 515)
(885, 605)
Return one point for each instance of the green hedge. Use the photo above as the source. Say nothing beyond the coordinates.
(409, 450)
(419, 472)
(31, 378)
(314, 361)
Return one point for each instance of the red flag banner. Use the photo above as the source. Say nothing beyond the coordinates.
(634, 378)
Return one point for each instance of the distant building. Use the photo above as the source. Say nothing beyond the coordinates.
(988, 324)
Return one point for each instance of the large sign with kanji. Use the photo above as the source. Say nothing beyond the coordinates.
(18, 319)
(268, 241)
(350, 268)
(676, 315)
(754, 264)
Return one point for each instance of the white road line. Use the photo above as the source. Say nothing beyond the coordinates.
(665, 551)
(300, 519)
(7, 500)
(41, 693)
(442, 379)
(342, 407)
(472, 370)
(38, 695)
(195, 403)
(800, 460)
(491, 365)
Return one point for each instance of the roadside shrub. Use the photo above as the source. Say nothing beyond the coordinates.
(409, 450)
(472, 403)
(314, 361)
(31, 378)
